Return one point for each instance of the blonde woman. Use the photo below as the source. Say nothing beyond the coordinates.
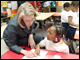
(20, 31)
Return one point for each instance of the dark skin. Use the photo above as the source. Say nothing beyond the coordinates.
(50, 36)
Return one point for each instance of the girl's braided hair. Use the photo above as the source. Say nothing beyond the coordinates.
(60, 31)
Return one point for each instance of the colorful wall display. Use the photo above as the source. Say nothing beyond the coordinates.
(4, 4)
(60, 3)
(39, 5)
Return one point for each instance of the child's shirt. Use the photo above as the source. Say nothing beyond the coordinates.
(78, 13)
(64, 16)
(75, 18)
(49, 45)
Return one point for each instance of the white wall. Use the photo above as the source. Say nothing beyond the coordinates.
(14, 5)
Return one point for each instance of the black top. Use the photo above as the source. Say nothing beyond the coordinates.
(13, 32)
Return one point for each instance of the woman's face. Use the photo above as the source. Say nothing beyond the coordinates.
(28, 20)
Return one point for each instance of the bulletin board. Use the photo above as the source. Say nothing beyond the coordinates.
(39, 5)
(4, 4)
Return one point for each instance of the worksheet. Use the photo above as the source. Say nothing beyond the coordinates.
(77, 32)
(41, 56)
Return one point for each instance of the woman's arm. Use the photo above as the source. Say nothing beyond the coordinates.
(28, 54)
(10, 38)
(31, 41)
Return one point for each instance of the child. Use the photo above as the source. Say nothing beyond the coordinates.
(53, 6)
(53, 41)
(73, 20)
(64, 15)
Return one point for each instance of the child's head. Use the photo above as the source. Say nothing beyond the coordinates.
(55, 32)
(66, 6)
(74, 6)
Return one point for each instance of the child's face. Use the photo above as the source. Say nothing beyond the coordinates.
(51, 35)
(75, 8)
(68, 8)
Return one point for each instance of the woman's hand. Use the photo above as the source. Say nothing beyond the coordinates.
(28, 54)
(31, 41)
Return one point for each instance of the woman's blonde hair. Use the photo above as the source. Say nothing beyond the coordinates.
(25, 9)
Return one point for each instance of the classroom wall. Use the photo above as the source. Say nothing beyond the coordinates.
(59, 5)
(12, 5)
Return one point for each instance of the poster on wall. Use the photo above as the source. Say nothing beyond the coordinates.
(14, 5)
(4, 4)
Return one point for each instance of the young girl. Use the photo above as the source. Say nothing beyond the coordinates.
(64, 15)
(54, 40)
(73, 20)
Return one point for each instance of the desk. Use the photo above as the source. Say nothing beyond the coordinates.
(11, 55)
(76, 36)
(44, 16)
(57, 16)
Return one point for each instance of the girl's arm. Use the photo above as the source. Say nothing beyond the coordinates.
(37, 51)
(71, 23)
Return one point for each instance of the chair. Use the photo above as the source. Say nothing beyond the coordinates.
(70, 45)
(56, 20)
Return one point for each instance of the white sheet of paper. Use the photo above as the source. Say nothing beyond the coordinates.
(77, 32)
(14, 5)
(9, 5)
(8, 11)
(42, 55)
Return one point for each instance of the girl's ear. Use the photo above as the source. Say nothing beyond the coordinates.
(57, 36)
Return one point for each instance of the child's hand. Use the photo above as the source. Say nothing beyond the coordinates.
(37, 51)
